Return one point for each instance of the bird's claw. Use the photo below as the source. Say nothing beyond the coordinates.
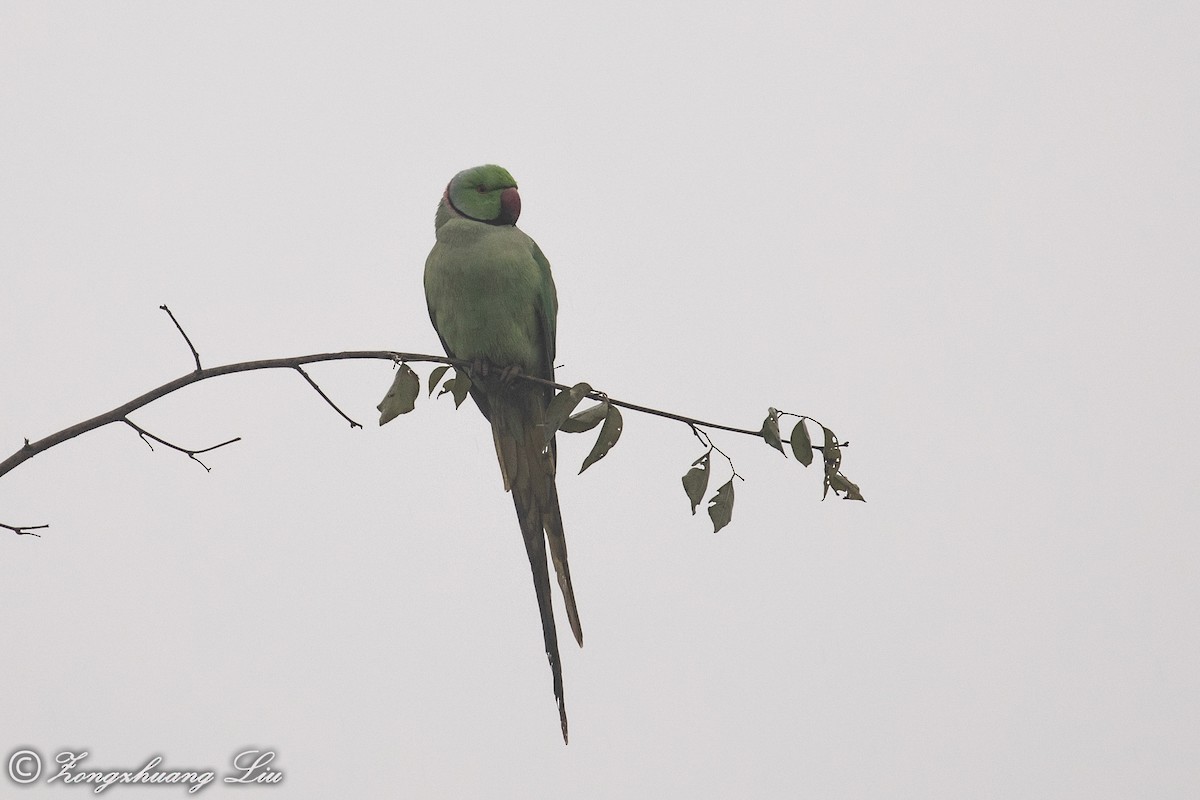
(480, 367)
(483, 370)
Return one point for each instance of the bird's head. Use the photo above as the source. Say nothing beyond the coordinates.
(485, 194)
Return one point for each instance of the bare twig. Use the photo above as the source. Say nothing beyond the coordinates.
(119, 414)
(707, 441)
(147, 436)
(24, 530)
(332, 404)
(183, 333)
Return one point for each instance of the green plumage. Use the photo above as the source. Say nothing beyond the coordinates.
(492, 301)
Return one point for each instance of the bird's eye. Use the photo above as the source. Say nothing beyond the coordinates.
(480, 189)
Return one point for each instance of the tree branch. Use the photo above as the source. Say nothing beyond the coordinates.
(24, 530)
(147, 436)
(121, 413)
(601, 397)
(183, 333)
(332, 405)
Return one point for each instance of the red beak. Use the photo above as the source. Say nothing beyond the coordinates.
(510, 207)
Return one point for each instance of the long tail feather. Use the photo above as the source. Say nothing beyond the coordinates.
(535, 546)
(552, 522)
(527, 467)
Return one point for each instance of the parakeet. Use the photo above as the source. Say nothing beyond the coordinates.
(492, 302)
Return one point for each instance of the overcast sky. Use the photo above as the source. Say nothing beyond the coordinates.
(963, 235)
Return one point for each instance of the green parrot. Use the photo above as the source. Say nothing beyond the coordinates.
(492, 302)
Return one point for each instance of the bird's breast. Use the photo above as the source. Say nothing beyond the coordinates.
(483, 289)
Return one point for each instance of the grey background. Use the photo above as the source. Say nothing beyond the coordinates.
(961, 234)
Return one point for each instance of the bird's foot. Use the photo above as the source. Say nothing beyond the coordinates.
(480, 368)
(509, 374)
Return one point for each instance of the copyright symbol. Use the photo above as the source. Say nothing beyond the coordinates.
(24, 766)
